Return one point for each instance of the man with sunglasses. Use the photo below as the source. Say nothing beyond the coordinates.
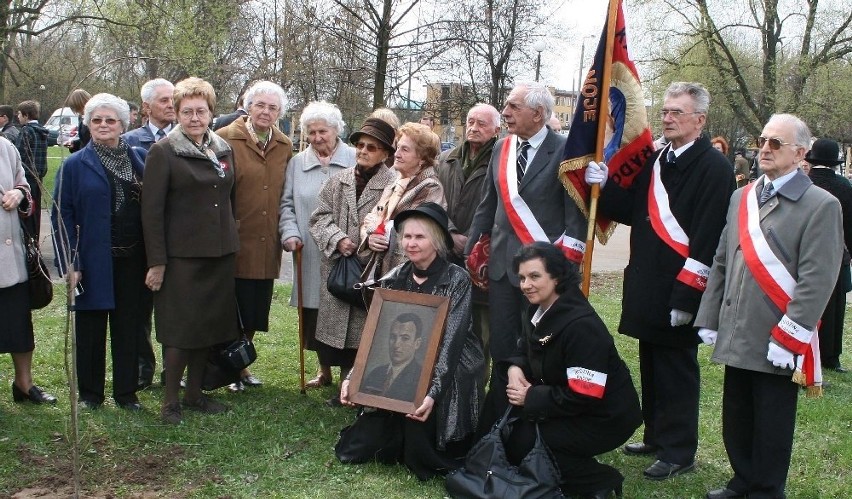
(676, 210)
(770, 281)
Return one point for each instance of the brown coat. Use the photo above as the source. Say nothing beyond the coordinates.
(338, 215)
(260, 181)
(183, 193)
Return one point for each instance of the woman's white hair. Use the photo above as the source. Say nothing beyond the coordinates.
(326, 112)
(265, 88)
(108, 101)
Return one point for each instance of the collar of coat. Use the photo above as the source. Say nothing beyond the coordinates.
(238, 130)
(341, 157)
(570, 306)
(182, 146)
(795, 188)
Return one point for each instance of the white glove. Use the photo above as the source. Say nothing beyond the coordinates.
(679, 317)
(780, 356)
(708, 336)
(596, 173)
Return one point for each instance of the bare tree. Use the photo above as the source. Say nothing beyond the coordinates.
(795, 40)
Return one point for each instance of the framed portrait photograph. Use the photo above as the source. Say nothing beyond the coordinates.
(398, 349)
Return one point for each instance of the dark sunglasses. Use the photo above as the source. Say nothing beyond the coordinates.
(98, 121)
(368, 147)
(774, 143)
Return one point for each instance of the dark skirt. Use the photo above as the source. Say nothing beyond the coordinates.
(16, 328)
(309, 329)
(197, 306)
(254, 299)
(331, 356)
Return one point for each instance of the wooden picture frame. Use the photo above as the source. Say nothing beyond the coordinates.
(389, 377)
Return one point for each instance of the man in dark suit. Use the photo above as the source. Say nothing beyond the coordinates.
(398, 380)
(766, 290)
(522, 201)
(673, 236)
(823, 157)
(158, 106)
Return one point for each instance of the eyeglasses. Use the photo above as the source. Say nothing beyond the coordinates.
(272, 108)
(676, 113)
(774, 143)
(368, 147)
(189, 113)
(108, 121)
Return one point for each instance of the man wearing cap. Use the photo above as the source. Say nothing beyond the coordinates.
(765, 293)
(522, 201)
(823, 157)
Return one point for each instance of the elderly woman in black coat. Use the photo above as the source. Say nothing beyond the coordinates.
(568, 377)
(436, 436)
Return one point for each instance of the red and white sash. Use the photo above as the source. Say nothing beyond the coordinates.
(667, 228)
(520, 215)
(779, 285)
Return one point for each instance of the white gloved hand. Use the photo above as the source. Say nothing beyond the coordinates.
(679, 317)
(708, 336)
(780, 356)
(596, 173)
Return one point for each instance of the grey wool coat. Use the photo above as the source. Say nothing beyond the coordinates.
(339, 215)
(802, 225)
(305, 177)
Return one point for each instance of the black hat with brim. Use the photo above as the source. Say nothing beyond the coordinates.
(431, 210)
(824, 152)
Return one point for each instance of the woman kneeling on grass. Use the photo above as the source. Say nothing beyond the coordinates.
(434, 438)
(568, 378)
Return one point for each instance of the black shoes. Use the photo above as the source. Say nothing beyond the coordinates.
(132, 406)
(35, 395)
(724, 493)
(640, 449)
(251, 380)
(605, 494)
(662, 470)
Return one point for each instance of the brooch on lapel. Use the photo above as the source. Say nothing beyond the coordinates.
(545, 339)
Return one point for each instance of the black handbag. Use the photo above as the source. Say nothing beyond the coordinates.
(225, 362)
(342, 279)
(40, 285)
(239, 354)
(488, 474)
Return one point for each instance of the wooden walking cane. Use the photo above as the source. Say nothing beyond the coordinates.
(297, 281)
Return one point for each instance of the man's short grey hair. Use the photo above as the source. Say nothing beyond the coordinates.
(320, 110)
(265, 88)
(700, 95)
(490, 110)
(537, 96)
(801, 132)
(150, 88)
(107, 101)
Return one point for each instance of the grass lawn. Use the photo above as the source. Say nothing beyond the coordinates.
(276, 442)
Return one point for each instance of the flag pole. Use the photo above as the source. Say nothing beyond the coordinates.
(603, 115)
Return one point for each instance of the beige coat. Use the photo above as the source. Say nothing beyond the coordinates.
(260, 182)
(338, 215)
(12, 261)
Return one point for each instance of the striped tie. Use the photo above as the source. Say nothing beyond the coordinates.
(767, 193)
(522, 160)
(160, 134)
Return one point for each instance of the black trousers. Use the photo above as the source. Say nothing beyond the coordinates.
(758, 420)
(128, 323)
(831, 327)
(508, 318)
(670, 392)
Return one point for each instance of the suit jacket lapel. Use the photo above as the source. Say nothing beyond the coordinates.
(539, 163)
